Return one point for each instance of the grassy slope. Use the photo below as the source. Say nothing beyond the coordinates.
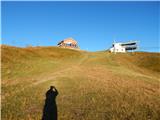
(91, 85)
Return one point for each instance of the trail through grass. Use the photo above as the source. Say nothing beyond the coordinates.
(91, 85)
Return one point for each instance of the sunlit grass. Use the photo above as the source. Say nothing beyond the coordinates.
(92, 86)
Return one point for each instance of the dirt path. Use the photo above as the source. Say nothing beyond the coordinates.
(59, 73)
(53, 76)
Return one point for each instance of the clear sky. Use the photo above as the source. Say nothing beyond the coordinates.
(93, 24)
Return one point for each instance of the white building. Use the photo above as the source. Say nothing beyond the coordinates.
(123, 47)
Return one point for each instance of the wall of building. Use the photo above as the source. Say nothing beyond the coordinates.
(117, 48)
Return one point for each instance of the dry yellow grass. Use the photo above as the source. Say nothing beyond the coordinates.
(91, 85)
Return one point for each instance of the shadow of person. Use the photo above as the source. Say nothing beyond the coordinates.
(50, 107)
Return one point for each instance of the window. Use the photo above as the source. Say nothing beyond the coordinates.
(68, 44)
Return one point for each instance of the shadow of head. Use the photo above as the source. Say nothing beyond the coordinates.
(50, 107)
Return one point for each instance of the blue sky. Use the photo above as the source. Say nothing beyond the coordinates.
(93, 24)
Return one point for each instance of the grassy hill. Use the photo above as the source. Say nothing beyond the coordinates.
(91, 85)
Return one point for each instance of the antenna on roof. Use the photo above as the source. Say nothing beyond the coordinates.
(114, 41)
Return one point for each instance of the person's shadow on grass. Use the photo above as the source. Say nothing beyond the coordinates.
(50, 107)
